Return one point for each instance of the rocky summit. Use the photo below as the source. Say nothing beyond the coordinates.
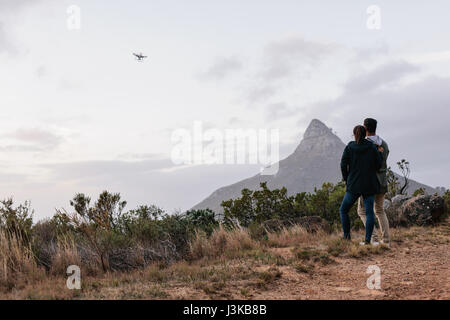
(315, 161)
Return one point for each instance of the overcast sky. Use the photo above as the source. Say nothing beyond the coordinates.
(79, 114)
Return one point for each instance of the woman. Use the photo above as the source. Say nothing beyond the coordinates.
(359, 165)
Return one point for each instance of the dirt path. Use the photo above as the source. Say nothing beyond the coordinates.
(421, 272)
(416, 268)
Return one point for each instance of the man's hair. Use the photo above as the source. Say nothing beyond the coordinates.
(371, 125)
(360, 134)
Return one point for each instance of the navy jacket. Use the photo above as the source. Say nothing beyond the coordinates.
(359, 166)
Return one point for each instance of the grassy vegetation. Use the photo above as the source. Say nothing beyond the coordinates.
(146, 253)
(240, 268)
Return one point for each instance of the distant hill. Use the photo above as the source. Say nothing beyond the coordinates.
(315, 161)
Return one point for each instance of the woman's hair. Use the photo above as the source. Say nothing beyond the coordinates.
(360, 134)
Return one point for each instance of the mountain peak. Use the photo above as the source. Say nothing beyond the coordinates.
(315, 161)
(316, 129)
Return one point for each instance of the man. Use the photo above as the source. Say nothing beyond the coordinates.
(371, 127)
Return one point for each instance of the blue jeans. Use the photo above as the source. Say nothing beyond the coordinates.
(347, 203)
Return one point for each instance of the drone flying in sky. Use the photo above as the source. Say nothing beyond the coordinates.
(139, 56)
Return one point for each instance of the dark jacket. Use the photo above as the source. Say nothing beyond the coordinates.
(359, 166)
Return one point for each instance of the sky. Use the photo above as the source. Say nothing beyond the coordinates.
(78, 113)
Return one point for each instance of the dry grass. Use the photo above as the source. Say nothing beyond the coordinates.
(230, 244)
(17, 263)
(288, 237)
(340, 247)
(337, 246)
(228, 264)
(66, 254)
(268, 277)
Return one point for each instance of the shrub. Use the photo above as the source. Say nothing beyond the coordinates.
(447, 200)
(255, 207)
(16, 221)
(201, 220)
(44, 242)
(151, 225)
(418, 192)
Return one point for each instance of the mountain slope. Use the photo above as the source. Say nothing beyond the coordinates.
(315, 161)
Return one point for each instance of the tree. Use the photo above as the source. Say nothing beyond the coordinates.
(403, 165)
(393, 184)
(240, 209)
(98, 223)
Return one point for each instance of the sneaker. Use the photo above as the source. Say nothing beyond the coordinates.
(364, 243)
(374, 243)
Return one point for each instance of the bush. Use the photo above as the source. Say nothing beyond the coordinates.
(201, 220)
(44, 242)
(419, 192)
(16, 221)
(256, 207)
(120, 240)
(447, 200)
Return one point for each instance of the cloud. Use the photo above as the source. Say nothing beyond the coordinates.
(222, 68)
(140, 156)
(285, 57)
(413, 116)
(279, 110)
(363, 54)
(110, 169)
(260, 93)
(41, 71)
(283, 61)
(5, 44)
(31, 140)
(8, 9)
(383, 75)
(11, 5)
